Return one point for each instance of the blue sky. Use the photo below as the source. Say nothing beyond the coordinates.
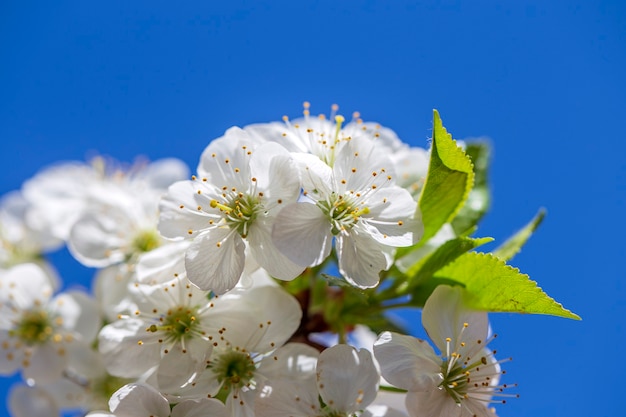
(544, 80)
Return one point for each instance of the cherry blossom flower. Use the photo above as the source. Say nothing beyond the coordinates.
(39, 333)
(355, 202)
(140, 400)
(171, 329)
(249, 353)
(232, 202)
(60, 195)
(464, 380)
(325, 136)
(85, 386)
(19, 242)
(345, 384)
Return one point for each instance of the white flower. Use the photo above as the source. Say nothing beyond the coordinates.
(411, 165)
(140, 400)
(238, 366)
(171, 329)
(38, 333)
(113, 233)
(324, 137)
(85, 385)
(121, 223)
(60, 195)
(18, 241)
(233, 201)
(26, 401)
(356, 203)
(463, 380)
(346, 382)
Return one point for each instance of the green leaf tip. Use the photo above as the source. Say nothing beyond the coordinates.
(448, 182)
(492, 285)
(513, 245)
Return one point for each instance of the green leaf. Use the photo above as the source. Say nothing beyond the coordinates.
(495, 286)
(420, 294)
(514, 244)
(448, 182)
(479, 198)
(442, 256)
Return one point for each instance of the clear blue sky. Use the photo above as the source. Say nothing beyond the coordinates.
(545, 80)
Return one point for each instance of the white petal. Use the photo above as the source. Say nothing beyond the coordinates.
(360, 258)
(46, 364)
(215, 260)
(85, 361)
(79, 312)
(302, 232)
(127, 348)
(274, 315)
(25, 285)
(111, 290)
(393, 401)
(276, 173)
(99, 239)
(139, 400)
(407, 362)
(433, 403)
(267, 255)
(25, 401)
(347, 378)
(12, 356)
(161, 264)
(176, 368)
(356, 162)
(316, 175)
(199, 408)
(240, 403)
(378, 410)
(175, 221)
(291, 362)
(392, 218)
(285, 398)
(162, 173)
(235, 147)
(276, 132)
(444, 315)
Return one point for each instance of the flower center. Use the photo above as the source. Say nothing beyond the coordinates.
(240, 211)
(145, 241)
(343, 212)
(34, 327)
(455, 379)
(178, 323)
(234, 369)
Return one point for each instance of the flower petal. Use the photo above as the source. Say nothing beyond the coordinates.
(79, 312)
(347, 378)
(122, 346)
(202, 407)
(138, 400)
(267, 255)
(407, 362)
(179, 211)
(25, 401)
(302, 232)
(360, 258)
(215, 260)
(444, 316)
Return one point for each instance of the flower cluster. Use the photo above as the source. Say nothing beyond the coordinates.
(258, 286)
